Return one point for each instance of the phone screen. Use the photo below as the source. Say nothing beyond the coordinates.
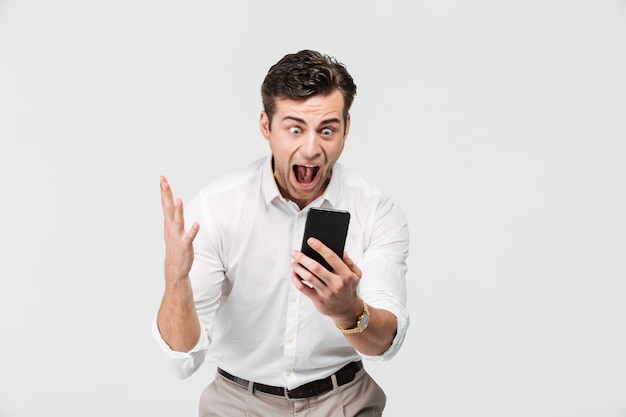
(330, 226)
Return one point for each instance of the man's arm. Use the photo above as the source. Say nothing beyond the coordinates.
(379, 334)
(177, 318)
(335, 295)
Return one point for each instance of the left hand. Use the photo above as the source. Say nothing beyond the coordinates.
(333, 293)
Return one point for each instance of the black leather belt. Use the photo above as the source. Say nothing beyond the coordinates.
(319, 387)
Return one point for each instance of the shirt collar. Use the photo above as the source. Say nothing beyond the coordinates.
(270, 190)
(333, 190)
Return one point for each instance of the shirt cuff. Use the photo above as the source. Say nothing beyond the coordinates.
(403, 320)
(182, 364)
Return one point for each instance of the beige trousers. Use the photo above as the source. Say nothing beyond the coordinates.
(359, 398)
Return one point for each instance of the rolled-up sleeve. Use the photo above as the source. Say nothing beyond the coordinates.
(182, 364)
(384, 268)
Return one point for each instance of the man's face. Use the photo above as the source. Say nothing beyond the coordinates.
(307, 138)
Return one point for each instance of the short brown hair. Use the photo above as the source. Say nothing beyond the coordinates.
(305, 74)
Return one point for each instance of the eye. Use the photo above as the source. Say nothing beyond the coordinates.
(295, 130)
(327, 131)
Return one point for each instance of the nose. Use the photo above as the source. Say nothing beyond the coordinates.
(310, 148)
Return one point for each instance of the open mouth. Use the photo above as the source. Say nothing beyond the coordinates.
(306, 174)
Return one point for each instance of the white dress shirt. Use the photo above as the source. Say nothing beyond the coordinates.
(254, 323)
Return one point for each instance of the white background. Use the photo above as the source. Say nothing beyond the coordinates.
(499, 127)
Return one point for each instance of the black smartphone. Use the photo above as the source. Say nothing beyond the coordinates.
(330, 226)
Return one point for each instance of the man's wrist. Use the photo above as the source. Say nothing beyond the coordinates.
(360, 324)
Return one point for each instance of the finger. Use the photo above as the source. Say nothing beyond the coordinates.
(303, 286)
(308, 274)
(299, 282)
(353, 266)
(179, 217)
(167, 201)
(327, 253)
(302, 273)
(193, 232)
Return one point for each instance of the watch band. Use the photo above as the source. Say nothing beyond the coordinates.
(361, 323)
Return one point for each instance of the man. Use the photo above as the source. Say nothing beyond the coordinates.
(234, 290)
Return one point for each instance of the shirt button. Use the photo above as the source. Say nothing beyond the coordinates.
(290, 339)
(292, 299)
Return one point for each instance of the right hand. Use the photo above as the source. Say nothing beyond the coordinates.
(178, 241)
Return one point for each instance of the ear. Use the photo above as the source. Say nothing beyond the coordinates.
(347, 129)
(264, 125)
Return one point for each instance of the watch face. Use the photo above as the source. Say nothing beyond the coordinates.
(364, 321)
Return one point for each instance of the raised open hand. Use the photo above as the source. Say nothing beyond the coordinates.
(178, 241)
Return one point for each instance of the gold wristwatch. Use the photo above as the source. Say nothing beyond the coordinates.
(361, 323)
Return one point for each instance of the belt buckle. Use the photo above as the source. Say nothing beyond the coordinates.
(312, 389)
(297, 391)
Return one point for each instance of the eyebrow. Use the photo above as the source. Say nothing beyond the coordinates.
(324, 122)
